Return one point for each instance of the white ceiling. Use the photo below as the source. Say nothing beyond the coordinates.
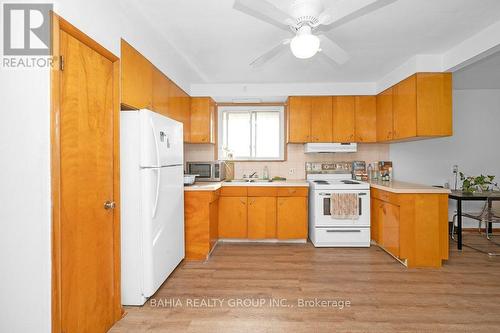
(484, 74)
(220, 42)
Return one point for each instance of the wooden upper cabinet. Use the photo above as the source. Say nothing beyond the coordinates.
(136, 78)
(261, 217)
(405, 108)
(161, 87)
(366, 119)
(299, 119)
(384, 116)
(343, 118)
(434, 104)
(233, 217)
(179, 108)
(321, 119)
(202, 120)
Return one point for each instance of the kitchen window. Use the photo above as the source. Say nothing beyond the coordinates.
(251, 133)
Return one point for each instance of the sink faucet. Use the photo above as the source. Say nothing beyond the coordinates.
(253, 174)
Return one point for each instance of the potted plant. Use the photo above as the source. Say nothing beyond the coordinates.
(472, 184)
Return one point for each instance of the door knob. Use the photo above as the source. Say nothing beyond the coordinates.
(109, 205)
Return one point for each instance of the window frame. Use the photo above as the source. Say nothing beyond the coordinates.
(250, 109)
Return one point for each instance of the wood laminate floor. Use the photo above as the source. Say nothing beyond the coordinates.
(463, 296)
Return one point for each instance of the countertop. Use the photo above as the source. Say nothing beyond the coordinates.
(213, 186)
(404, 187)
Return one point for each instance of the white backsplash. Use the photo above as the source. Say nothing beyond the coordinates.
(296, 159)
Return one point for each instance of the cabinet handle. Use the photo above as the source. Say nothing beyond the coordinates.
(242, 202)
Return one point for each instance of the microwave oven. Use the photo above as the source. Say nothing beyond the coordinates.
(213, 171)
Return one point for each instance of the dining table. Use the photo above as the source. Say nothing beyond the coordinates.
(461, 196)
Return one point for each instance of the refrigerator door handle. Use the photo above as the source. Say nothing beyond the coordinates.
(157, 195)
(156, 142)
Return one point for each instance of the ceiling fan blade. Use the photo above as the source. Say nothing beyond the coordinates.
(331, 50)
(347, 10)
(270, 54)
(264, 11)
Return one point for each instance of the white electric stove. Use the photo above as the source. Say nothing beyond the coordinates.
(325, 180)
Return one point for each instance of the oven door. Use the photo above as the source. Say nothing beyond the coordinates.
(323, 215)
(203, 170)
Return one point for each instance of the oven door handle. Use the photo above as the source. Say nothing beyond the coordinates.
(343, 230)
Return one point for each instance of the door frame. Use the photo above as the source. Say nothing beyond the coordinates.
(58, 25)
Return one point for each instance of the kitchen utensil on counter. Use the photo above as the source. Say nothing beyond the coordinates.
(189, 179)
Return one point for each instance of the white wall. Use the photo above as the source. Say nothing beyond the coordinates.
(25, 245)
(474, 146)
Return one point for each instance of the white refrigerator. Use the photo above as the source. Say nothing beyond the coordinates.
(152, 202)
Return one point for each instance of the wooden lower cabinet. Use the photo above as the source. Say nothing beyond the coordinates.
(412, 227)
(233, 217)
(292, 218)
(261, 217)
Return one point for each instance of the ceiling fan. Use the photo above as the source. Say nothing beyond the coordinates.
(308, 20)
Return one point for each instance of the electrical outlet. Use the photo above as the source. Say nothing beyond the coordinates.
(455, 168)
(291, 171)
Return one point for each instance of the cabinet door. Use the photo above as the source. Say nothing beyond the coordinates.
(137, 78)
(375, 223)
(202, 120)
(384, 116)
(185, 116)
(390, 228)
(343, 118)
(299, 119)
(214, 222)
(366, 119)
(261, 217)
(161, 86)
(434, 104)
(292, 218)
(321, 119)
(405, 108)
(233, 217)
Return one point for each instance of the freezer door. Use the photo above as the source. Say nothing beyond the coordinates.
(162, 224)
(161, 140)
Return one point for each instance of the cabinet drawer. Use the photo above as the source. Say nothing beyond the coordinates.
(262, 191)
(233, 191)
(293, 191)
(385, 196)
(342, 237)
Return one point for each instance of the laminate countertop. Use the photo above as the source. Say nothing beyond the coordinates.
(404, 187)
(214, 186)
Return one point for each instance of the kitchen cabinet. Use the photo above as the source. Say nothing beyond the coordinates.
(201, 211)
(261, 217)
(413, 227)
(202, 120)
(365, 119)
(299, 119)
(343, 118)
(180, 108)
(292, 215)
(384, 116)
(321, 119)
(233, 217)
(136, 78)
(161, 90)
(422, 106)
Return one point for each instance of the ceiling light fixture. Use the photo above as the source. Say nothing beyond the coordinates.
(304, 45)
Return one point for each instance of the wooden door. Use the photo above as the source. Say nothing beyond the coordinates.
(214, 221)
(232, 217)
(366, 119)
(343, 118)
(261, 217)
(137, 78)
(186, 115)
(405, 108)
(299, 119)
(161, 85)
(202, 119)
(434, 104)
(321, 119)
(86, 150)
(390, 228)
(292, 218)
(385, 125)
(375, 223)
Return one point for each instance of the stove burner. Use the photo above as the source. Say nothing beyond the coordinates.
(349, 182)
(322, 182)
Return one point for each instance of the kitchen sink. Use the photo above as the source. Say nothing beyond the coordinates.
(247, 180)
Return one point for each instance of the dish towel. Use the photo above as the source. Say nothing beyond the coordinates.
(344, 206)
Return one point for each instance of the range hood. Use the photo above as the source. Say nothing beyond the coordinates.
(331, 148)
